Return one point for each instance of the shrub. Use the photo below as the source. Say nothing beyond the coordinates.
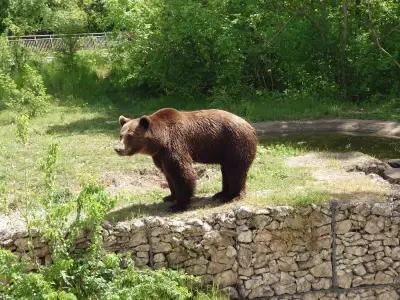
(89, 273)
(21, 86)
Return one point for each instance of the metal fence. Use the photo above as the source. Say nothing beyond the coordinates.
(55, 42)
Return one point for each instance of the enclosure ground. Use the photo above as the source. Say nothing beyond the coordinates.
(85, 137)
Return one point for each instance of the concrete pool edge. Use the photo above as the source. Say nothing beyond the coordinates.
(348, 126)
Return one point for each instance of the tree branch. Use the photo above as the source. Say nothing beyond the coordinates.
(378, 44)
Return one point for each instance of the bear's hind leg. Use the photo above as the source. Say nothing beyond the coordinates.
(225, 188)
(235, 177)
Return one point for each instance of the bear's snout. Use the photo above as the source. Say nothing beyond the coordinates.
(119, 149)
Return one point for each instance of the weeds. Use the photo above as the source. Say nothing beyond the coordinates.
(89, 273)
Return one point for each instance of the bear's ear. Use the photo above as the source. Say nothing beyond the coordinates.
(144, 122)
(122, 120)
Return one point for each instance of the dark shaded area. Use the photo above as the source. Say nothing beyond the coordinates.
(91, 126)
(378, 147)
(157, 209)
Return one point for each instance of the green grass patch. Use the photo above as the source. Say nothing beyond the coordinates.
(85, 134)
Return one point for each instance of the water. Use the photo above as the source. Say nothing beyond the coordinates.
(381, 148)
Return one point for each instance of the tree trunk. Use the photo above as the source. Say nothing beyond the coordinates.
(343, 46)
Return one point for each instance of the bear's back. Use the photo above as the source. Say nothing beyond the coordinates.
(208, 135)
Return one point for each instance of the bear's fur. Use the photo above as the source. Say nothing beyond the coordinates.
(176, 139)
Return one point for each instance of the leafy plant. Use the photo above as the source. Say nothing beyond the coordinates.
(88, 273)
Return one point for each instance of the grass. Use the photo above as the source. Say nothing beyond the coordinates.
(86, 130)
(85, 137)
(271, 107)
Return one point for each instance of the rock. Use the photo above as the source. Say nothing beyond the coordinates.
(243, 212)
(260, 292)
(287, 264)
(212, 237)
(322, 270)
(374, 225)
(389, 295)
(137, 239)
(394, 163)
(253, 283)
(260, 221)
(245, 257)
(230, 252)
(322, 284)
(245, 237)
(367, 165)
(246, 272)
(270, 278)
(357, 251)
(392, 175)
(162, 247)
(344, 279)
(22, 244)
(232, 293)
(381, 209)
(123, 227)
(159, 257)
(286, 278)
(177, 257)
(323, 243)
(343, 227)
(226, 278)
(197, 270)
(281, 289)
(278, 246)
(382, 278)
(303, 285)
(263, 236)
(221, 257)
(215, 267)
(360, 270)
(396, 253)
(295, 223)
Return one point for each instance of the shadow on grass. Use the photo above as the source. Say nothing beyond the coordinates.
(347, 145)
(160, 209)
(94, 125)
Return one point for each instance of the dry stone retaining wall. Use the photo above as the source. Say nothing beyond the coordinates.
(328, 251)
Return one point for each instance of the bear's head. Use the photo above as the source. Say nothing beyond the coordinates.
(133, 136)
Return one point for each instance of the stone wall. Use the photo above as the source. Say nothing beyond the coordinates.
(330, 251)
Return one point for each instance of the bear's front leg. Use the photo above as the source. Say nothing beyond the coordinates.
(159, 164)
(169, 198)
(183, 180)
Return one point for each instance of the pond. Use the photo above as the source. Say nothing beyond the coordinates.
(379, 147)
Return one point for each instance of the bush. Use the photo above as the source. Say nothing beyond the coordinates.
(89, 273)
(26, 94)
(81, 76)
(21, 86)
(226, 47)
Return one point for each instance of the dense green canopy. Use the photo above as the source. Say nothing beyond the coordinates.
(348, 47)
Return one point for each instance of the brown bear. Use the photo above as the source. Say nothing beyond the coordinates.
(176, 139)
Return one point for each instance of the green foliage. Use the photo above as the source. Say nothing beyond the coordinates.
(87, 273)
(77, 76)
(224, 48)
(31, 97)
(99, 278)
(21, 85)
(22, 122)
(25, 17)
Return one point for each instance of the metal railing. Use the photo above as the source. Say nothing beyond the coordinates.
(55, 42)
